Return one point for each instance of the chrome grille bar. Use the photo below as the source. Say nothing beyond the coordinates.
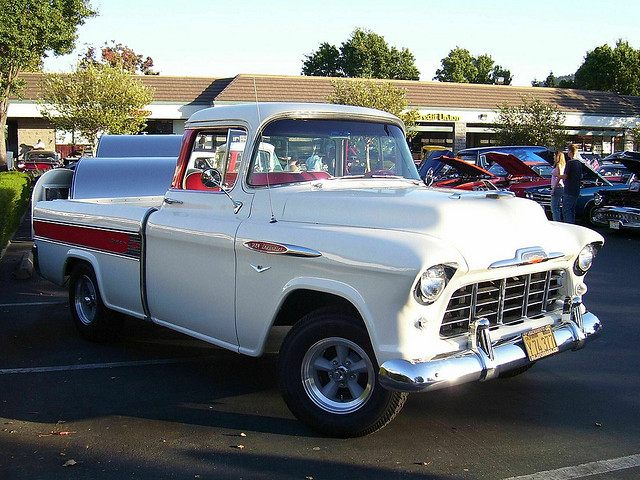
(502, 301)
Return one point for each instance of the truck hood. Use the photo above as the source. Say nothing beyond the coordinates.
(480, 225)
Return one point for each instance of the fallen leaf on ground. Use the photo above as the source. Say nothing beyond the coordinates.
(55, 433)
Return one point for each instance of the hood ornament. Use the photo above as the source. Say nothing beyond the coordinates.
(527, 256)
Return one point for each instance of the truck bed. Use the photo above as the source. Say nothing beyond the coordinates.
(103, 232)
(119, 213)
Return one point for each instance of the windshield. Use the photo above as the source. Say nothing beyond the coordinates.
(316, 149)
(498, 170)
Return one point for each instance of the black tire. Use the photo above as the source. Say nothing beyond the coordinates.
(587, 214)
(328, 376)
(94, 321)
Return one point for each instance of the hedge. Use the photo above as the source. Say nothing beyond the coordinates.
(15, 192)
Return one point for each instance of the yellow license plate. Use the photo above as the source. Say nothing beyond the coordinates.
(539, 343)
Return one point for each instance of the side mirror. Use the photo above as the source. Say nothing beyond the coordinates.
(211, 178)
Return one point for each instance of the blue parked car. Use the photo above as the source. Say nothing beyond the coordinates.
(526, 153)
(591, 183)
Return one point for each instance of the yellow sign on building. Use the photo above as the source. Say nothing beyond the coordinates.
(440, 117)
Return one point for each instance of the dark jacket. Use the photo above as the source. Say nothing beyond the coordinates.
(573, 171)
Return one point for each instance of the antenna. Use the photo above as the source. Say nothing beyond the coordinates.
(255, 91)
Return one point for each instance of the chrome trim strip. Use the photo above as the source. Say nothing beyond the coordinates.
(545, 295)
(259, 268)
(527, 256)
(144, 299)
(281, 249)
(501, 296)
(501, 194)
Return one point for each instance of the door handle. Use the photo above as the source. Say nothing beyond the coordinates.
(171, 201)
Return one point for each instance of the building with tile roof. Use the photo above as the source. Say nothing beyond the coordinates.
(452, 114)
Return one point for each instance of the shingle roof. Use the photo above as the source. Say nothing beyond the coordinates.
(435, 94)
(198, 90)
(269, 88)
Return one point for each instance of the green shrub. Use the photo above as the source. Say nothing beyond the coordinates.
(15, 191)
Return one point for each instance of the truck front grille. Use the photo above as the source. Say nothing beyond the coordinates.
(502, 301)
(541, 198)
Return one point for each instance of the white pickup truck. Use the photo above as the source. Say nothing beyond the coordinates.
(312, 218)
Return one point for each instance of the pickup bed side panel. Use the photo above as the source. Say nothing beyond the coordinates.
(104, 235)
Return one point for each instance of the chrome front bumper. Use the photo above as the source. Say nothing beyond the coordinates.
(620, 217)
(484, 360)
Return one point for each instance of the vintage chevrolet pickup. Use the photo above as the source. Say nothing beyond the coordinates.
(312, 218)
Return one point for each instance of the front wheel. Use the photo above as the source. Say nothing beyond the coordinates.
(589, 210)
(92, 318)
(329, 377)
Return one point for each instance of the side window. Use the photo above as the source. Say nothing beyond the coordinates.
(218, 149)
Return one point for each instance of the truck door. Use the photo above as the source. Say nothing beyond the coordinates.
(190, 259)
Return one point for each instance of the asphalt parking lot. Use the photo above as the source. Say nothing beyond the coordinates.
(157, 405)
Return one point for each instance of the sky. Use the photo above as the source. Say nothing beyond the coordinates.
(215, 38)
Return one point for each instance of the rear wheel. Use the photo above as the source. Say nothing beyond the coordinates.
(329, 377)
(92, 318)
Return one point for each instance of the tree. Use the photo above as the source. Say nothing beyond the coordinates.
(551, 81)
(119, 55)
(462, 67)
(95, 99)
(29, 31)
(533, 122)
(613, 70)
(501, 76)
(565, 81)
(634, 132)
(324, 62)
(364, 55)
(372, 94)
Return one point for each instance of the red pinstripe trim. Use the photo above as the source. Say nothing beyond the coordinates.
(121, 243)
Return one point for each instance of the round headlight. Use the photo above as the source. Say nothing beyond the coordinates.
(584, 260)
(432, 283)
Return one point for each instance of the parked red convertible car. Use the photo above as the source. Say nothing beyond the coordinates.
(39, 161)
(507, 172)
(513, 174)
(450, 172)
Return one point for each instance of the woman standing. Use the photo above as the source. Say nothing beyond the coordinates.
(557, 186)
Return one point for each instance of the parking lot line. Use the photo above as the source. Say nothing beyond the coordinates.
(584, 470)
(32, 304)
(92, 366)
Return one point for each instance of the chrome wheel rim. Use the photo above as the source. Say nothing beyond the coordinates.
(85, 300)
(337, 375)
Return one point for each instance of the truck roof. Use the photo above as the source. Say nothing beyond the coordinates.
(256, 113)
